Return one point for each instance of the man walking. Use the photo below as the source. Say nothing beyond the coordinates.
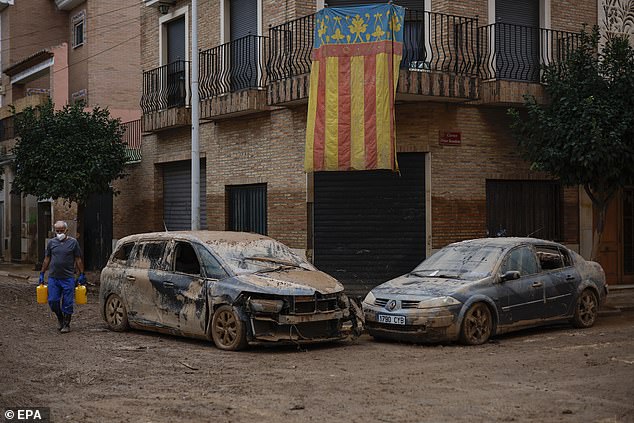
(63, 255)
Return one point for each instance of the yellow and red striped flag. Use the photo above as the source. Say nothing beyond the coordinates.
(357, 53)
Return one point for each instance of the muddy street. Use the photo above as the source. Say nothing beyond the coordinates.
(556, 374)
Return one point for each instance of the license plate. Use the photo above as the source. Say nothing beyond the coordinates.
(391, 320)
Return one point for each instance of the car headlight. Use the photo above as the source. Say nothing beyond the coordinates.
(370, 298)
(260, 305)
(438, 302)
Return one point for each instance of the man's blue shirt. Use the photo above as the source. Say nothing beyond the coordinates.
(62, 254)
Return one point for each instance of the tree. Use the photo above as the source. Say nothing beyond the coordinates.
(584, 135)
(69, 154)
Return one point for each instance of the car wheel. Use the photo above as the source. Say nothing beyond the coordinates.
(477, 325)
(227, 330)
(116, 313)
(586, 310)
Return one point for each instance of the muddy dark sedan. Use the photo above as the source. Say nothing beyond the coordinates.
(233, 288)
(472, 290)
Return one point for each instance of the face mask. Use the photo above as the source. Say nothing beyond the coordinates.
(61, 236)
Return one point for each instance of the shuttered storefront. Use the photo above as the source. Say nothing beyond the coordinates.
(177, 196)
(369, 226)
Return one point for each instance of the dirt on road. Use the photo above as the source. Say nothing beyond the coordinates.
(555, 374)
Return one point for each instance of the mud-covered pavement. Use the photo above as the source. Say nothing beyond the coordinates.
(557, 374)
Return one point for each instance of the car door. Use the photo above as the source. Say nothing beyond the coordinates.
(522, 299)
(560, 277)
(185, 282)
(144, 283)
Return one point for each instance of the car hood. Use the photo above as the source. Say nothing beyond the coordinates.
(421, 287)
(292, 282)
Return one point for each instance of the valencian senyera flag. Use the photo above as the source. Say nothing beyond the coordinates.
(357, 53)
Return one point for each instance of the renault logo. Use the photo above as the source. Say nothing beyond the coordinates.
(391, 305)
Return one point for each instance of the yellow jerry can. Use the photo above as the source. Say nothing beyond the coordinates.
(80, 294)
(42, 294)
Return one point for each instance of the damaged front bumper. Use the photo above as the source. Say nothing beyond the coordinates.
(413, 325)
(304, 320)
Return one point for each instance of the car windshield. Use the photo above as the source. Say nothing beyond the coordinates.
(468, 262)
(259, 256)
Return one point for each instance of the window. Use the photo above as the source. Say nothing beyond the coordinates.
(524, 208)
(151, 256)
(81, 95)
(186, 260)
(123, 253)
(521, 259)
(213, 269)
(78, 25)
(552, 258)
(247, 208)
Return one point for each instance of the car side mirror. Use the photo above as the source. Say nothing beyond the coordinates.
(510, 275)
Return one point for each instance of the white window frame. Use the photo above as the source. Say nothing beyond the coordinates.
(78, 20)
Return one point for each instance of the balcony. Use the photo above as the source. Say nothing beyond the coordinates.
(233, 78)
(511, 60)
(439, 59)
(166, 97)
(132, 138)
(445, 58)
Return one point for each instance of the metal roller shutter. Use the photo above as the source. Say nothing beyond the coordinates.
(244, 18)
(177, 203)
(370, 226)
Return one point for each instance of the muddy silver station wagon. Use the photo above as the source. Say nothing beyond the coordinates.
(230, 287)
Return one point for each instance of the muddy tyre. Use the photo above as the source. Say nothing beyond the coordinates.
(477, 325)
(116, 314)
(586, 309)
(227, 330)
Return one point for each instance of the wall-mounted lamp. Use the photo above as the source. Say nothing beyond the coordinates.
(164, 8)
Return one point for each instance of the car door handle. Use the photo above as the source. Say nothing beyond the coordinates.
(168, 284)
(130, 278)
(570, 277)
(537, 285)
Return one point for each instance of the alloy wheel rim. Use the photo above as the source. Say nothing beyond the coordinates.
(478, 325)
(115, 312)
(226, 328)
(587, 308)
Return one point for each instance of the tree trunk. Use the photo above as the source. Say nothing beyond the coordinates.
(601, 201)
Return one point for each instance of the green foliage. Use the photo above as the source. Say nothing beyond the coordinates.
(585, 135)
(69, 153)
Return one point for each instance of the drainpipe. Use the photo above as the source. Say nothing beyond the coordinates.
(195, 222)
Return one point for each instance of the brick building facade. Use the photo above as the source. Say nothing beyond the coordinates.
(252, 137)
(65, 50)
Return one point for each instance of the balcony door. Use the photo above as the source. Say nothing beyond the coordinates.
(176, 66)
(517, 39)
(243, 29)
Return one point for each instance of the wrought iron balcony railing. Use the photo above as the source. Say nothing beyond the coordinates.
(431, 41)
(291, 48)
(233, 66)
(516, 52)
(132, 137)
(439, 42)
(166, 87)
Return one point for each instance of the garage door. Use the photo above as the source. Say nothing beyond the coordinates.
(370, 226)
(177, 202)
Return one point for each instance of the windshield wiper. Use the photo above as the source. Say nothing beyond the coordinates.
(272, 260)
(274, 269)
(434, 274)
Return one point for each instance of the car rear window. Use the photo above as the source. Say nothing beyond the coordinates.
(123, 252)
(151, 255)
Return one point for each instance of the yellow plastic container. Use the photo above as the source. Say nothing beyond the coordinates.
(80, 294)
(42, 294)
